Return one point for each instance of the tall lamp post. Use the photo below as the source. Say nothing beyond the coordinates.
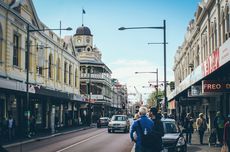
(155, 72)
(164, 43)
(29, 30)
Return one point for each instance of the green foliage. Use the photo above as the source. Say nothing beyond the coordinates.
(152, 100)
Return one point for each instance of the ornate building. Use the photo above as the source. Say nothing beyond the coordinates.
(53, 76)
(95, 80)
(201, 65)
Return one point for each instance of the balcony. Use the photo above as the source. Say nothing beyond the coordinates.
(93, 76)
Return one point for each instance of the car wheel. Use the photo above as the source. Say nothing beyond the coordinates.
(109, 131)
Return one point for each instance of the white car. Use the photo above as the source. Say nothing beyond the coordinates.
(119, 122)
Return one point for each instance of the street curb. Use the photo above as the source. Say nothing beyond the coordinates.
(45, 137)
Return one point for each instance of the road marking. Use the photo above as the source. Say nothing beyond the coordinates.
(87, 139)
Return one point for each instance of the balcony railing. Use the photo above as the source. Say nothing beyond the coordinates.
(96, 76)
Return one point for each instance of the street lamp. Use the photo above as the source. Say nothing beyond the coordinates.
(27, 68)
(164, 42)
(156, 72)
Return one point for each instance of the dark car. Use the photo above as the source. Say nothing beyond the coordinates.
(103, 121)
(173, 140)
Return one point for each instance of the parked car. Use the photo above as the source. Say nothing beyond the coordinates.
(103, 121)
(119, 122)
(173, 140)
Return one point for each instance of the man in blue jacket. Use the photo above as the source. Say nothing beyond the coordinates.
(146, 127)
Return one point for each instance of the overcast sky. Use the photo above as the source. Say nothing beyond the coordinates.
(126, 52)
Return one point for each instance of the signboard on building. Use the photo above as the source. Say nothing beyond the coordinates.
(211, 63)
(215, 86)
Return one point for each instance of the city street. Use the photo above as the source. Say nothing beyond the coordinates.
(97, 140)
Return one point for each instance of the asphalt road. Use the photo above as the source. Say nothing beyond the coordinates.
(96, 140)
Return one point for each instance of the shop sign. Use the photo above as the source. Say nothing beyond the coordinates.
(215, 86)
(211, 63)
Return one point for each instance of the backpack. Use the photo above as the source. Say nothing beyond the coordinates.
(146, 138)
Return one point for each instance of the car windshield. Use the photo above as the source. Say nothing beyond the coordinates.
(170, 127)
(118, 118)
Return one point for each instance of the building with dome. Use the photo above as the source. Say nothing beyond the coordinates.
(95, 79)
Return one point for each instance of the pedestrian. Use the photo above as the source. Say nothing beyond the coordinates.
(11, 127)
(32, 125)
(142, 126)
(227, 132)
(201, 126)
(158, 130)
(219, 126)
(188, 125)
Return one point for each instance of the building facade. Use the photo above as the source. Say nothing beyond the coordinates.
(201, 63)
(53, 76)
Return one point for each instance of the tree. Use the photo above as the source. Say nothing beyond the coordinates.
(152, 100)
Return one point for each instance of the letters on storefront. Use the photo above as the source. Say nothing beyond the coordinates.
(215, 86)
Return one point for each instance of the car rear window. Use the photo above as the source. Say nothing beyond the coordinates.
(170, 127)
(118, 118)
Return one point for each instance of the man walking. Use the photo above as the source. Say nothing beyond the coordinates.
(141, 127)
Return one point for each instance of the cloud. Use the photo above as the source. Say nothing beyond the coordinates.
(124, 70)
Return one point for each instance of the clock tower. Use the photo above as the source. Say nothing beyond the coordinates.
(83, 39)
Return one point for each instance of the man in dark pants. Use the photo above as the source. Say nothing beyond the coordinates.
(219, 126)
(158, 129)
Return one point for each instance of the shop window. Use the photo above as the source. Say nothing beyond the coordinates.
(38, 113)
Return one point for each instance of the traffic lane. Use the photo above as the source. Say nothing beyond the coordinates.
(57, 142)
(105, 142)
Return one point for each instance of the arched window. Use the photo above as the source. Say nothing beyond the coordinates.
(50, 66)
(1, 42)
(58, 70)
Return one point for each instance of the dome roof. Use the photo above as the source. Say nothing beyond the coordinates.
(83, 30)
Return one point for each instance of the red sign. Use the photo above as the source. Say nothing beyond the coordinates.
(215, 86)
(211, 63)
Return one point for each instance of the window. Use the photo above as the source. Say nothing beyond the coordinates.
(15, 49)
(76, 77)
(58, 71)
(70, 74)
(50, 66)
(1, 42)
(65, 72)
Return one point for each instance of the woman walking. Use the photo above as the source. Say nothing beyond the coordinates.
(201, 126)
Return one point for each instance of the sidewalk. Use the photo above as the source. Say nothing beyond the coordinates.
(195, 146)
(43, 135)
